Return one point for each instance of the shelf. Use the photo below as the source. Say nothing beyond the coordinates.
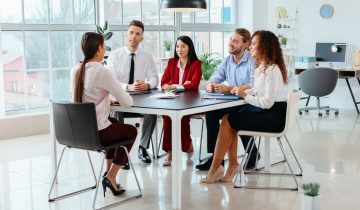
(285, 29)
(286, 19)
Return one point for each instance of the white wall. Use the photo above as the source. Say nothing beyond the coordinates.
(253, 14)
(312, 28)
(19, 126)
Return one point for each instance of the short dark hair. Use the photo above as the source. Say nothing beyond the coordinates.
(137, 23)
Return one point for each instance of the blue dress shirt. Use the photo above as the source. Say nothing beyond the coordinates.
(235, 74)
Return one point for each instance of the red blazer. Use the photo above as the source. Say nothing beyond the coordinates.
(192, 73)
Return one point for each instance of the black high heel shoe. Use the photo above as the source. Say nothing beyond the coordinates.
(106, 183)
(105, 173)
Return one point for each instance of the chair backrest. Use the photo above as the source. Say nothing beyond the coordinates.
(75, 125)
(292, 109)
(318, 81)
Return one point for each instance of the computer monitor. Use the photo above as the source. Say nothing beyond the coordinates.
(331, 54)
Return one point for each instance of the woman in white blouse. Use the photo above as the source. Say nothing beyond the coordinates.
(92, 82)
(268, 93)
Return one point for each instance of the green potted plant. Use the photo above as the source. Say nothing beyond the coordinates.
(283, 40)
(168, 48)
(104, 31)
(310, 200)
(209, 63)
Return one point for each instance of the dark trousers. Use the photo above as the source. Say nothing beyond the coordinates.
(117, 132)
(213, 125)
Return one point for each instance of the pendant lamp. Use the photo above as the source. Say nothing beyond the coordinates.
(183, 5)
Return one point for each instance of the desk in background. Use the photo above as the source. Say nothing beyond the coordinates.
(343, 74)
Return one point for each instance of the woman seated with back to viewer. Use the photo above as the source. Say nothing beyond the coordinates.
(92, 82)
(183, 72)
(268, 93)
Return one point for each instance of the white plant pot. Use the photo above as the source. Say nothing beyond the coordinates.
(168, 54)
(310, 203)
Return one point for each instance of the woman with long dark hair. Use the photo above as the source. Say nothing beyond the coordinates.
(268, 93)
(183, 72)
(92, 82)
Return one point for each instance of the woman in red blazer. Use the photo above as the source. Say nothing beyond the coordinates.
(183, 72)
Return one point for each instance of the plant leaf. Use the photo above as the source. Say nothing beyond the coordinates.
(108, 35)
(99, 29)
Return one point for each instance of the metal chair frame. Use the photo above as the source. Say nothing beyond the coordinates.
(99, 149)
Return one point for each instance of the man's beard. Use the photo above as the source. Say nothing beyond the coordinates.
(235, 52)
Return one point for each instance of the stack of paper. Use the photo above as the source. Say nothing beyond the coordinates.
(163, 96)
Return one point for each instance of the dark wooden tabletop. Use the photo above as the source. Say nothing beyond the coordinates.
(184, 100)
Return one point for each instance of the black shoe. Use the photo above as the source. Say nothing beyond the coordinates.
(105, 173)
(106, 183)
(126, 166)
(143, 155)
(207, 164)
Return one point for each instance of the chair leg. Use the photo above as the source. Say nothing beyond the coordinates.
(69, 194)
(92, 166)
(318, 106)
(201, 138)
(158, 149)
(132, 168)
(247, 156)
(98, 183)
(286, 159)
(123, 200)
(269, 173)
(272, 164)
(297, 161)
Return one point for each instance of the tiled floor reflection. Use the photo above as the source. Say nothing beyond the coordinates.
(328, 149)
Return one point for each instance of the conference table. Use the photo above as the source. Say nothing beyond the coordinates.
(185, 103)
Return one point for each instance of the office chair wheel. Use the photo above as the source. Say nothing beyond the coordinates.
(300, 112)
(137, 125)
(320, 114)
(306, 111)
(337, 112)
(327, 111)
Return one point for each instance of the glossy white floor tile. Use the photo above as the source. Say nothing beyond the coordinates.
(327, 147)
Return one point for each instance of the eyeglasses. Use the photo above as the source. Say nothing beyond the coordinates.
(234, 41)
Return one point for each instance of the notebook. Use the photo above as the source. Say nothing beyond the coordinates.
(138, 92)
(221, 96)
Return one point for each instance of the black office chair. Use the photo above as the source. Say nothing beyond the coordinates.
(75, 126)
(318, 82)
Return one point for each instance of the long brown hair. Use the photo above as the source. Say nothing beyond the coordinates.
(269, 51)
(90, 43)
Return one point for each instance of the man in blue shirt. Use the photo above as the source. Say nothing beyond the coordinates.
(237, 69)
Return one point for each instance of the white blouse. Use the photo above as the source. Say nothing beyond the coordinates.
(181, 75)
(269, 87)
(99, 82)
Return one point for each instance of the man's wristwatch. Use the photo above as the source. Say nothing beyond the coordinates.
(148, 85)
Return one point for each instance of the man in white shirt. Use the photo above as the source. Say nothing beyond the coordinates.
(135, 69)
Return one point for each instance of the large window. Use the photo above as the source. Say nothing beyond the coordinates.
(40, 44)
(41, 40)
